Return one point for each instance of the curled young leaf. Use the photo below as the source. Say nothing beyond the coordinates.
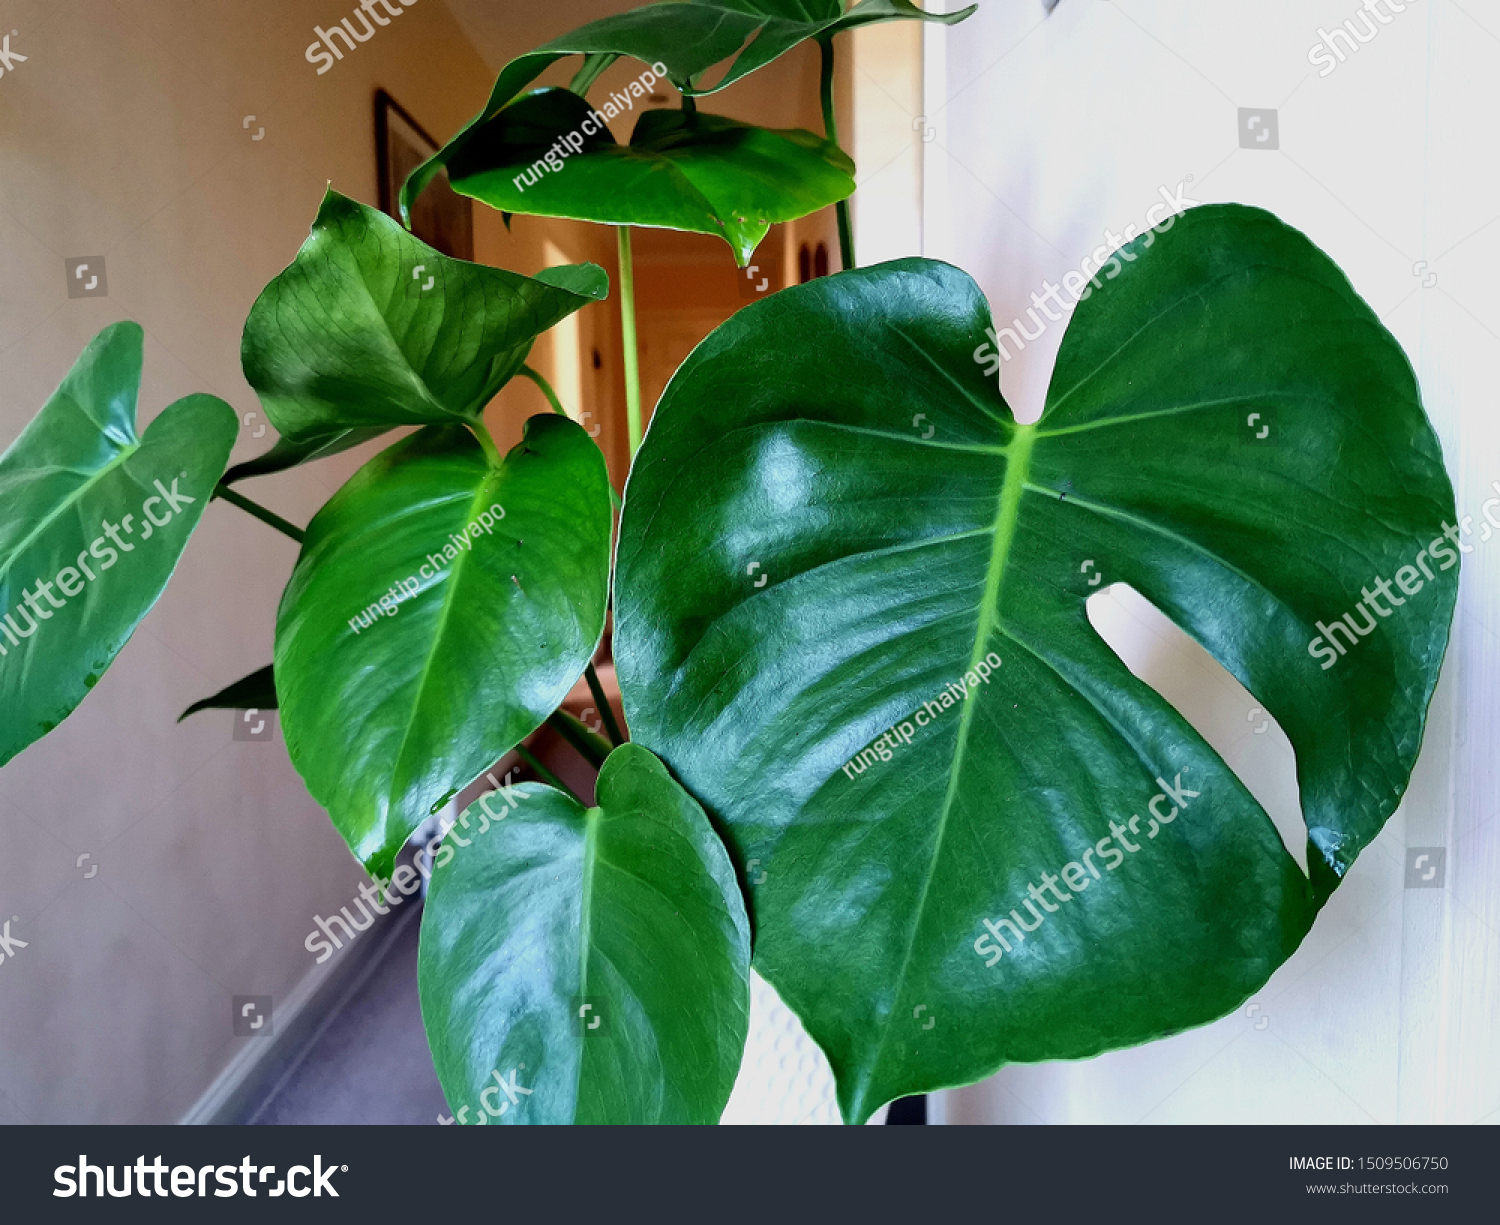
(700, 173)
(685, 38)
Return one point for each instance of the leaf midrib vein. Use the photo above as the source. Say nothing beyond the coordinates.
(591, 820)
(491, 477)
(1007, 514)
(73, 499)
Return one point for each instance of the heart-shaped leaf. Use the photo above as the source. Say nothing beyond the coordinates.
(586, 965)
(701, 173)
(254, 692)
(441, 608)
(95, 519)
(685, 38)
(1231, 431)
(370, 328)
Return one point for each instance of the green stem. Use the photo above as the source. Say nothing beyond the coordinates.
(488, 443)
(831, 130)
(543, 773)
(546, 389)
(593, 749)
(606, 712)
(627, 331)
(259, 511)
(589, 71)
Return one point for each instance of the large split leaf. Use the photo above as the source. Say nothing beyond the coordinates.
(819, 540)
(370, 328)
(701, 173)
(687, 39)
(95, 517)
(597, 958)
(422, 634)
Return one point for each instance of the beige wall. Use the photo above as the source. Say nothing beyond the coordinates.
(887, 139)
(127, 134)
(121, 135)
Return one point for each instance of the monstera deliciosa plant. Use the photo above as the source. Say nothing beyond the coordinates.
(804, 583)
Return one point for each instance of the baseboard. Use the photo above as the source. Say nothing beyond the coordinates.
(260, 1068)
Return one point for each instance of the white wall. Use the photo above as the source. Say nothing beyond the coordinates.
(1051, 129)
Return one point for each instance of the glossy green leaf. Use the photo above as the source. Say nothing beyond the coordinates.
(424, 634)
(701, 173)
(95, 518)
(596, 958)
(254, 692)
(687, 39)
(370, 328)
(819, 540)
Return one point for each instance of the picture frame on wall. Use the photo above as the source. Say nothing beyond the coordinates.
(440, 216)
